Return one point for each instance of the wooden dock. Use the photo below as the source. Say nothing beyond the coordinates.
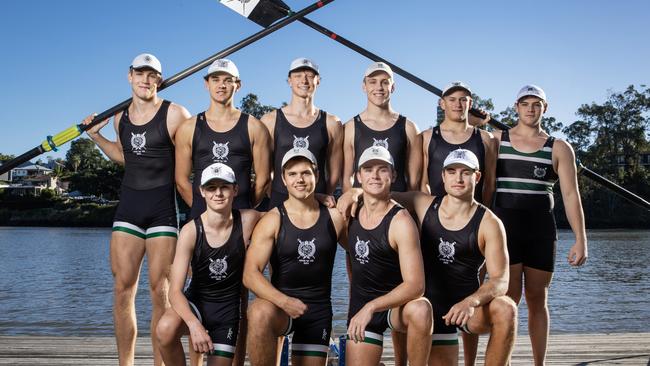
(564, 349)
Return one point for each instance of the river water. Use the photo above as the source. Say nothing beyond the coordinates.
(57, 281)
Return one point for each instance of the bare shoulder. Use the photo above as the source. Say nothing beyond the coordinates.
(186, 127)
(255, 125)
(486, 135)
(402, 219)
(562, 149)
(411, 127)
(188, 231)
(269, 118)
(497, 134)
(491, 222)
(337, 217)
(269, 223)
(332, 120)
(177, 113)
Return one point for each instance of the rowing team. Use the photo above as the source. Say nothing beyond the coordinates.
(419, 237)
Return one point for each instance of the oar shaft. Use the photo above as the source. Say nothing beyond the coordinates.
(500, 125)
(48, 145)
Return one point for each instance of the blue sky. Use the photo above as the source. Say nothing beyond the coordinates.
(62, 60)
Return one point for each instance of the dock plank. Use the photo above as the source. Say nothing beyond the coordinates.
(564, 349)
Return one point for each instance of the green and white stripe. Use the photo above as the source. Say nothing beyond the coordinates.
(444, 339)
(373, 338)
(310, 350)
(223, 350)
(523, 185)
(127, 228)
(544, 155)
(156, 231)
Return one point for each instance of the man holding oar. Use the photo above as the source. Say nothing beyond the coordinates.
(145, 221)
(299, 239)
(214, 244)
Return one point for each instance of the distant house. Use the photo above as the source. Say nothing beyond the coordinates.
(31, 179)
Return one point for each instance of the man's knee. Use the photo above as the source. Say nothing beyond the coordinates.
(261, 316)
(536, 298)
(418, 314)
(503, 311)
(166, 331)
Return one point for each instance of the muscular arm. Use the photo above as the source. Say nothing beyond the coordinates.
(348, 155)
(492, 243)
(183, 152)
(416, 202)
(112, 149)
(414, 153)
(257, 257)
(261, 145)
(567, 172)
(176, 115)
(268, 120)
(491, 145)
(200, 339)
(426, 140)
(334, 152)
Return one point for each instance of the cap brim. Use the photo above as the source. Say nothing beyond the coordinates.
(219, 179)
(455, 88)
(299, 68)
(375, 160)
(461, 164)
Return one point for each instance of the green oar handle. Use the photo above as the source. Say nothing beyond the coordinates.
(65, 136)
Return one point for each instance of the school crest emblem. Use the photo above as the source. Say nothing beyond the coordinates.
(362, 250)
(539, 172)
(218, 268)
(381, 142)
(138, 143)
(446, 251)
(300, 142)
(220, 151)
(306, 251)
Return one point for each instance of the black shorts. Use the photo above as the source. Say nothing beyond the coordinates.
(147, 213)
(443, 334)
(311, 332)
(221, 320)
(380, 321)
(531, 237)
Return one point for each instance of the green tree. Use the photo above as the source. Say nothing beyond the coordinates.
(4, 157)
(84, 155)
(250, 104)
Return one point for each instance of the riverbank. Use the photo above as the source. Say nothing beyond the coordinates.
(563, 349)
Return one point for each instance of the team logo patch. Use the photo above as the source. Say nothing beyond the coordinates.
(539, 172)
(362, 250)
(220, 151)
(218, 268)
(300, 142)
(306, 251)
(446, 251)
(380, 142)
(138, 142)
(224, 63)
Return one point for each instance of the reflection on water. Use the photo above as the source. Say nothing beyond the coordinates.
(57, 281)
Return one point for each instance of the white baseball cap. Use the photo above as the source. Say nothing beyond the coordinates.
(223, 65)
(456, 85)
(379, 66)
(531, 90)
(298, 152)
(462, 156)
(146, 60)
(218, 171)
(375, 153)
(303, 63)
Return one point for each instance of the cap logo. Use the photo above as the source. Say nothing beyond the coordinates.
(147, 59)
(222, 63)
(459, 154)
(530, 89)
(216, 170)
(456, 83)
(305, 62)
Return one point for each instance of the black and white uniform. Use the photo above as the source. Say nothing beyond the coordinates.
(147, 205)
(375, 272)
(393, 139)
(286, 137)
(232, 148)
(302, 262)
(452, 262)
(524, 202)
(214, 293)
(439, 148)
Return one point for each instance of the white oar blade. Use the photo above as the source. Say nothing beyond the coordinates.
(262, 12)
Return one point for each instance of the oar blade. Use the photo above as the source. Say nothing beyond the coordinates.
(262, 12)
